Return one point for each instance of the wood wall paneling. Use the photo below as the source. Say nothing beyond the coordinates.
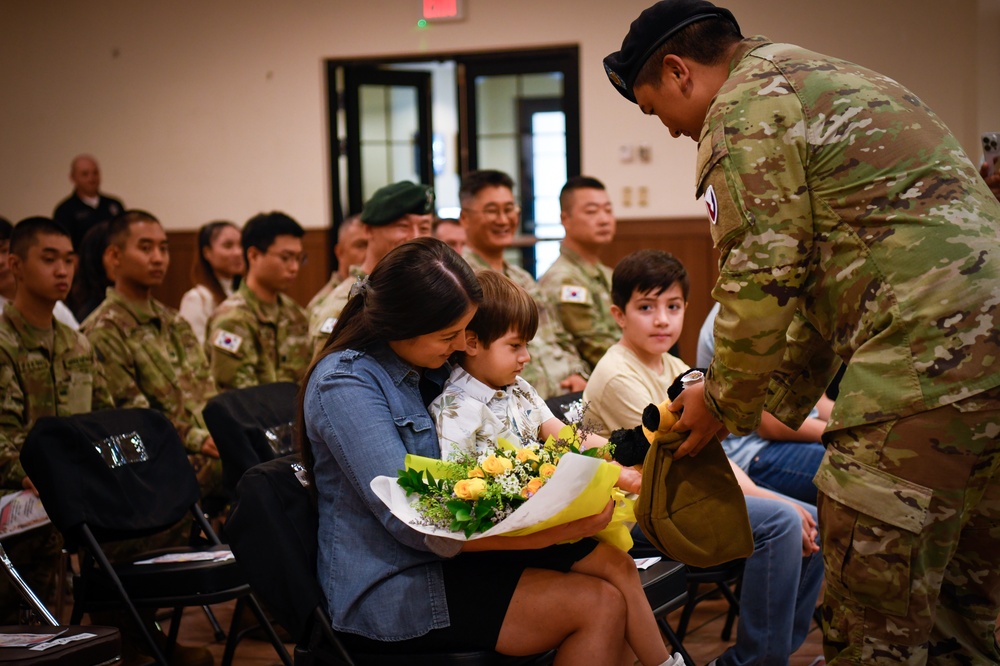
(312, 275)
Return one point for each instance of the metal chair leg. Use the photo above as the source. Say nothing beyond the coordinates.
(220, 635)
(26, 592)
(675, 642)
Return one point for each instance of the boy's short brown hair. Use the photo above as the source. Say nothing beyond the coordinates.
(505, 307)
(647, 270)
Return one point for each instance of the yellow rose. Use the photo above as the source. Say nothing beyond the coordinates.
(495, 466)
(470, 489)
(476, 473)
(531, 488)
(546, 470)
(524, 455)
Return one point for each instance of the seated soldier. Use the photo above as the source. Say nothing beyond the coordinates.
(148, 353)
(259, 335)
(349, 251)
(451, 231)
(782, 577)
(578, 284)
(46, 369)
(395, 214)
(8, 285)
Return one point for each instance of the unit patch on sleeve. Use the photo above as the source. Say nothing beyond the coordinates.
(227, 341)
(573, 294)
(712, 203)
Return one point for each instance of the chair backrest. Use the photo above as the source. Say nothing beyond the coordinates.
(251, 426)
(272, 532)
(122, 472)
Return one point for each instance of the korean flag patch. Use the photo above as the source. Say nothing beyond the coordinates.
(226, 341)
(712, 203)
(573, 294)
(328, 325)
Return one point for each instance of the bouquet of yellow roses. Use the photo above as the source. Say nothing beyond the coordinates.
(486, 493)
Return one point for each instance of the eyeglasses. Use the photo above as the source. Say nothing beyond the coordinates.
(289, 257)
(492, 212)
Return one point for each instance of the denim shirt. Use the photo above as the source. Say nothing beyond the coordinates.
(363, 414)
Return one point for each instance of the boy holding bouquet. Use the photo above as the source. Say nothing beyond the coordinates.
(485, 399)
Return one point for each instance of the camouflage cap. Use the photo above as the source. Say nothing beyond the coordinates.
(647, 33)
(392, 202)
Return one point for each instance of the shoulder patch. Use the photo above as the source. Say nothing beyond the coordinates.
(227, 341)
(573, 294)
(328, 325)
(712, 203)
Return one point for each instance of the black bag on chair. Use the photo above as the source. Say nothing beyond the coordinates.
(251, 426)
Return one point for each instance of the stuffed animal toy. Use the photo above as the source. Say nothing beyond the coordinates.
(691, 509)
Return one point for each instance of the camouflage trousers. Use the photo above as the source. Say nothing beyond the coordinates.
(909, 512)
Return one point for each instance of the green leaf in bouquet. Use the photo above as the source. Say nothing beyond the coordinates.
(485, 509)
(412, 481)
(460, 509)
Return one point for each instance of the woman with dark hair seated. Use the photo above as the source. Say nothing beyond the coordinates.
(388, 587)
(215, 273)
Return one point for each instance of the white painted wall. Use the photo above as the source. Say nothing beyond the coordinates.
(202, 109)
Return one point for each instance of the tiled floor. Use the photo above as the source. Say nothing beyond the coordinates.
(703, 641)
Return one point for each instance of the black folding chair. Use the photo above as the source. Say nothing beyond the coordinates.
(251, 426)
(121, 474)
(725, 579)
(272, 531)
(665, 586)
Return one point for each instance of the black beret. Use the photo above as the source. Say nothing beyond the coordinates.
(392, 202)
(654, 26)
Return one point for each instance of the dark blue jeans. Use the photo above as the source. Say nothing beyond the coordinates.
(788, 468)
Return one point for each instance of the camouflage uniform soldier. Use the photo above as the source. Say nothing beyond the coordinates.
(490, 218)
(259, 335)
(324, 317)
(396, 213)
(251, 342)
(41, 374)
(578, 284)
(349, 251)
(44, 371)
(851, 226)
(148, 353)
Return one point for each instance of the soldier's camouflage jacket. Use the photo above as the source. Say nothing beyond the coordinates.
(851, 226)
(251, 343)
(150, 357)
(41, 375)
(581, 295)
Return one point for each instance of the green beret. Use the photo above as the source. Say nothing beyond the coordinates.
(392, 202)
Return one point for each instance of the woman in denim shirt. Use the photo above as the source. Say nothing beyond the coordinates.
(390, 588)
